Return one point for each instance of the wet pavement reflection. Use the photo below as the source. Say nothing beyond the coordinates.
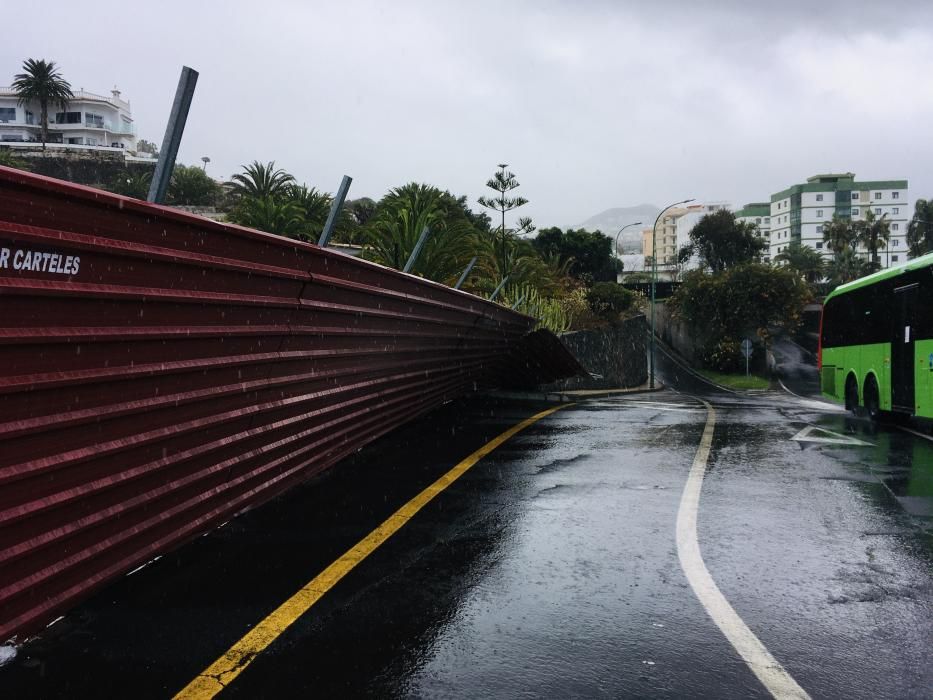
(551, 568)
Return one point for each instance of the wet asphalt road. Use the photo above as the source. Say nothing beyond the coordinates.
(550, 569)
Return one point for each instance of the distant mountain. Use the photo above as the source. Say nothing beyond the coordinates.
(611, 220)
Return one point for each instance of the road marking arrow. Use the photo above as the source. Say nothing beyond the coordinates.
(806, 435)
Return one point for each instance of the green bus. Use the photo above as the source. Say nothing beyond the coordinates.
(876, 342)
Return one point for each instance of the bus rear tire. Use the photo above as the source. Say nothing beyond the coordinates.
(872, 399)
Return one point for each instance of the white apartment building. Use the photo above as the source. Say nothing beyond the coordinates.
(89, 121)
(799, 212)
(759, 214)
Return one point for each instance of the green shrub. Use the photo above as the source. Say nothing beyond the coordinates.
(609, 300)
(724, 355)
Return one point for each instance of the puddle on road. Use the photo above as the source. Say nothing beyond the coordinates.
(901, 461)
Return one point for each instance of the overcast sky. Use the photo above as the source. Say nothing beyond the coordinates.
(593, 104)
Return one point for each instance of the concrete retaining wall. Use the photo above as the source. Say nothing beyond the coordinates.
(617, 353)
(674, 333)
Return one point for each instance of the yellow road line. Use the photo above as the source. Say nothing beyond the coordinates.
(221, 673)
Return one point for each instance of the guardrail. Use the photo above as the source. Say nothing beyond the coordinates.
(160, 372)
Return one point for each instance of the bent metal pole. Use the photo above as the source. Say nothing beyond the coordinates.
(173, 131)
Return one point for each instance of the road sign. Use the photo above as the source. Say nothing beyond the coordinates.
(747, 348)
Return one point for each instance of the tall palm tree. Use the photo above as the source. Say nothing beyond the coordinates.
(920, 229)
(874, 233)
(261, 180)
(41, 81)
(838, 234)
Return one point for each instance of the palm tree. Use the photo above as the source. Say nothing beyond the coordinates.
(873, 233)
(920, 229)
(271, 215)
(40, 81)
(838, 234)
(261, 180)
(845, 267)
(401, 217)
(314, 204)
(807, 262)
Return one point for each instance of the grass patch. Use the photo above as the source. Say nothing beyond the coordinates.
(736, 381)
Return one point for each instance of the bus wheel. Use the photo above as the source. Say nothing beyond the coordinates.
(872, 400)
(852, 394)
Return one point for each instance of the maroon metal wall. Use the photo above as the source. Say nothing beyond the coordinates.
(160, 373)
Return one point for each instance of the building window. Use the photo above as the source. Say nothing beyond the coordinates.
(7, 114)
(896, 242)
(819, 213)
(91, 142)
(854, 196)
(95, 120)
(75, 141)
(819, 198)
(894, 227)
(819, 229)
(895, 195)
(758, 220)
(894, 258)
(854, 211)
(767, 219)
(877, 211)
(877, 195)
(895, 210)
(68, 117)
(819, 245)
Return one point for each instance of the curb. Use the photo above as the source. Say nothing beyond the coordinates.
(571, 396)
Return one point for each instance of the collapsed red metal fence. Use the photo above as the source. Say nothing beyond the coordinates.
(160, 373)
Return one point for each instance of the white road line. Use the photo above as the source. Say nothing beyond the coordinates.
(914, 432)
(771, 674)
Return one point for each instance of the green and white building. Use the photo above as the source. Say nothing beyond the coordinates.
(799, 212)
(758, 213)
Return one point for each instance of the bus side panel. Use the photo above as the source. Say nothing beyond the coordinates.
(833, 374)
(924, 378)
(860, 360)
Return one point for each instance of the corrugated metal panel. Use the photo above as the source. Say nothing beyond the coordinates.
(160, 372)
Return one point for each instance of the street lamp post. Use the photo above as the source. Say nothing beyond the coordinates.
(637, 223)
(654, 276)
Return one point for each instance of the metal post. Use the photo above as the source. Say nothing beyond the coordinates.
(335, 208)
(417, 251)
(465, 273)
(173, 131)
(499, 288)
(618, 254)
(654, 275)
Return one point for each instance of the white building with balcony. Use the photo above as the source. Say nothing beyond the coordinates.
(89, 121)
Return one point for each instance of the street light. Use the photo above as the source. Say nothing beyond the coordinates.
(637, 223)
(654, 275)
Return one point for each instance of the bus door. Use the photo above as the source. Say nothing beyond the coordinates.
(906, 299)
